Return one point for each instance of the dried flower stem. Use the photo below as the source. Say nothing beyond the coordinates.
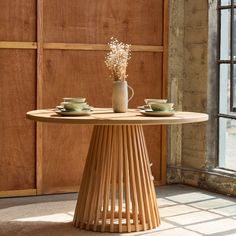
(117, 59)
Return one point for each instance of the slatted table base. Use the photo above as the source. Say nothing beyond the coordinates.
(117, 192)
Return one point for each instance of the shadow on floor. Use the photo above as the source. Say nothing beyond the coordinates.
(18, 201)
(17, 228)
(184, 211)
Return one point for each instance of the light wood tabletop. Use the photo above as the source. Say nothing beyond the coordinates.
(105, 116)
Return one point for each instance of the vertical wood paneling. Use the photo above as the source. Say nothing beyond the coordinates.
(60, 158)
(18, 20)
(39, 126)
(79, 21)
(17, 135)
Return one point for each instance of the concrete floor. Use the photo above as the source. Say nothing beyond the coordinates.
(184, 211)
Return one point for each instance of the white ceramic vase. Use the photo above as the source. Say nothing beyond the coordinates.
(120, 97)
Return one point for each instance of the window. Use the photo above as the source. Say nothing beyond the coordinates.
(227, 83)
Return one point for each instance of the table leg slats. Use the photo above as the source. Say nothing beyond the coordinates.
(117, 192)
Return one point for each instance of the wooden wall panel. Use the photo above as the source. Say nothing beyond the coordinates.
(76, 73)
(64, 154)
(85, 73)
(18, 20)
(60, 159)
(17, 135)
(145, 77)
(79, 21)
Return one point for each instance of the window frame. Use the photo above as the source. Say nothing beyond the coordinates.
(231, 62)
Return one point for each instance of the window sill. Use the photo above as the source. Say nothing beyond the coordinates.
(224, 172)
(216, 171)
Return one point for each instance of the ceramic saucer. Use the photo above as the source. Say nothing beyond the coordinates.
(157, 113)
(73, 113)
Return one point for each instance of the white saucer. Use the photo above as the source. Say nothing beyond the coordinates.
(73, 113)
(157, 113)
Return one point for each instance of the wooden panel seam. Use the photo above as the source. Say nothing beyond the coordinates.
(39, 131)
(165, 49)
(75, 46)
(164, 91)
(18, 45)
(99, 47)
(16, 193)
(61, 189)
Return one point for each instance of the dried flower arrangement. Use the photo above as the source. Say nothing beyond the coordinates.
(117, 59)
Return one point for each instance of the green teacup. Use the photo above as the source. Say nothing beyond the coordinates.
(161, 106)
(76, 106)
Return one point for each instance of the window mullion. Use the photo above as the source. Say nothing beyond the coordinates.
(232, 83)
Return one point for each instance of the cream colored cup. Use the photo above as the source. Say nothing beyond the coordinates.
(74, 99)
(153, 100)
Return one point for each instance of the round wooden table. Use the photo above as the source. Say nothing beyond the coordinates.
(117, 192)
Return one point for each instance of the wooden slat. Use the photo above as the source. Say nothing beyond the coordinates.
(114, 177)
(165, 49)
(132, 179)
(104, 193)
(144, 177)
(138, 176)
(39, 134)
(127, 179)
(120, 176)
(101, 176)
(151, 185)
(18, 45)
(164, 91)
(18, 193)
(85, 185)
(99, 47)
(76, 46)
(124, 228)
(94, 182)
(108, 179)
(145, 48)
(152, 199)
(90, 209)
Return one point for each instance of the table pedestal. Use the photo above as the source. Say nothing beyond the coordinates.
(117, 192)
